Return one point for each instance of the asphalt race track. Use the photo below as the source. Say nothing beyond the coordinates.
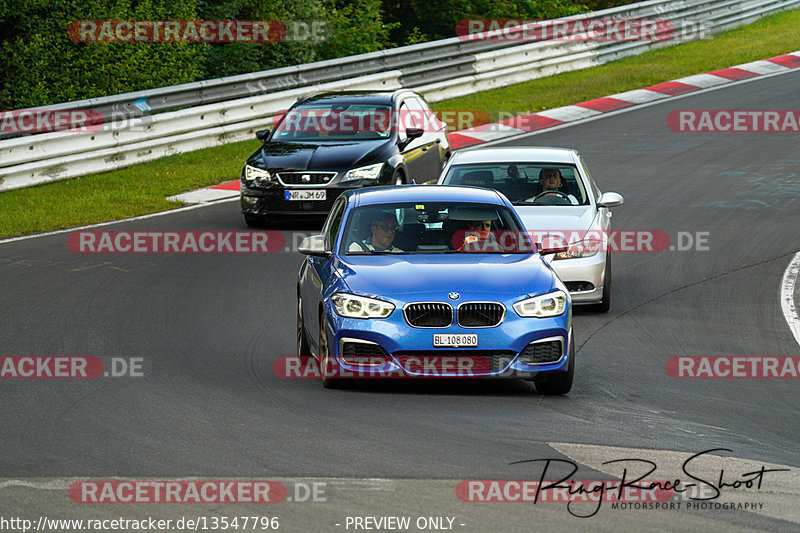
(208, 328)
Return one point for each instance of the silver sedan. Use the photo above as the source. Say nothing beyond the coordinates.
(554, 194)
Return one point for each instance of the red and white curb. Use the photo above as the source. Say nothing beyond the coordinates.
(229, 189)
(570, 113)
(561, 115)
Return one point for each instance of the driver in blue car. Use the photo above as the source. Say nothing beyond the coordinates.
(550, 180)
(383, 229)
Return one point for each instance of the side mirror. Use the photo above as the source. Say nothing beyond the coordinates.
(414, 133)
(610, 199)
(553, 250)
(411, 134)
(314, 245)
(263, 135)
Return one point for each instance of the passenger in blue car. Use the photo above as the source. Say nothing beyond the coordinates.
(476, 231)
(383, 230)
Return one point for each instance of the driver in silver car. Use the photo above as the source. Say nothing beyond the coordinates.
(550, 180)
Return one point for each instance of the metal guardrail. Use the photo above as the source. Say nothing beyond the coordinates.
(151, 124)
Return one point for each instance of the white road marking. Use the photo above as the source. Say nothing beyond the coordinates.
(703, 80)
(788, 284)
(46, 484)
(762, 67)
(101, 224)
(667, 98)
(493, 131)
(203, 196)
(569, 113)
(639, 96)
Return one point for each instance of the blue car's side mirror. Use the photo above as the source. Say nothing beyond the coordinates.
(314, 245)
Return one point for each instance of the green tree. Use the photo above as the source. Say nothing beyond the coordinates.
(426, 20)
(41, 65)
(347, 27)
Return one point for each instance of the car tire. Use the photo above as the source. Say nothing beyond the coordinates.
(560, 383)
(327, 365)
(398, 178)
(255, 221)
(605, 304)
(303, 351)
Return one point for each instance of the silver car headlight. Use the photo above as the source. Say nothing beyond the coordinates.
(586, 248)
(352, 306)
(258, 175)
(545, 305)
(370, 172)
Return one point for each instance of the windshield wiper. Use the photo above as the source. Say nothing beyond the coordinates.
(375, 252)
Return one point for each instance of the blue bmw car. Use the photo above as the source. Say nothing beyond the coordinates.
(432, 281)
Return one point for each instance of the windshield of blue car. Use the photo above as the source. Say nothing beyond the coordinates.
(524, 183)
(335, 122)
(434, 228)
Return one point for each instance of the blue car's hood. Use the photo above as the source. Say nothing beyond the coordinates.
(436, 275)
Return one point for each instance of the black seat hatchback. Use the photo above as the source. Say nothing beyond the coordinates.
(330, 142)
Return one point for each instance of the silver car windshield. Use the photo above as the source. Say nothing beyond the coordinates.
(524, 183)
(434, 228)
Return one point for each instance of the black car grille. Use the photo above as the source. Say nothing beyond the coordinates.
(429, 315)
(461, 362)
(277, 204)
(480, 315)
(538, 353)
(364, 353)
(314, 178)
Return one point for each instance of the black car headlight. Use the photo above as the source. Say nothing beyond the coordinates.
(370, 172)
(258, 176)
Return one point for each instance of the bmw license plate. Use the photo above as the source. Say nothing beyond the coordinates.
(305, 194)
(462, 339)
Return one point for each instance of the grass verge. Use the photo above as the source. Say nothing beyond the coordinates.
(142, 188)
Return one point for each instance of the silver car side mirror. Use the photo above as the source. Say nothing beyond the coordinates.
(610, 199)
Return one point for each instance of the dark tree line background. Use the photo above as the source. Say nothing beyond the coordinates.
(40, 65)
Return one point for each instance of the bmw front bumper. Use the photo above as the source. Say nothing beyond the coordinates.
(390, 347)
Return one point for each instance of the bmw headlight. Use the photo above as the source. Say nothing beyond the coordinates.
(586, 248)
(352, 306)
(257, 175)
(550, 304)
(370, 172)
